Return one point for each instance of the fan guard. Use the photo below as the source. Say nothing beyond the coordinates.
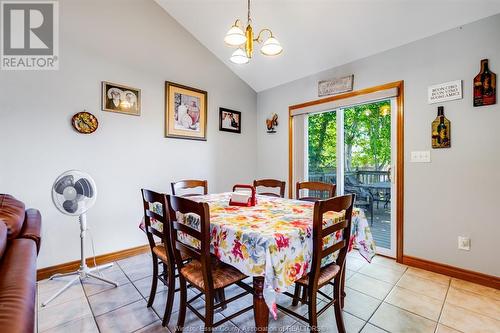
(74, 192)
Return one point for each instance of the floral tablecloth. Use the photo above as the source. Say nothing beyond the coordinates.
(274, 238)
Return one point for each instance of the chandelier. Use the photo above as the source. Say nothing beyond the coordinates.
(244, 41)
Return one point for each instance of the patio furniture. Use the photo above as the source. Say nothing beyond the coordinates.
(364, 198)
(379, 188)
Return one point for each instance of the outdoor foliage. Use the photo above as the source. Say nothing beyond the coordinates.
(367, 138)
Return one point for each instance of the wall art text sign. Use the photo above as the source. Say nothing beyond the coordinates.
(443, 92)
(335, 86)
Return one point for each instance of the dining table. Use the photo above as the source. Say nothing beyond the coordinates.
(272, 243)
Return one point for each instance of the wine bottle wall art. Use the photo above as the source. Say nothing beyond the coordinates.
(441, 131)
(485, 92)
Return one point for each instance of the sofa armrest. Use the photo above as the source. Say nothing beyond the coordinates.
(32, 227)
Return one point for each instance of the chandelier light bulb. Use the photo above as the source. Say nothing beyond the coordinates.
(244, 39)
(235, 36)
(271, 47)
(239, 57)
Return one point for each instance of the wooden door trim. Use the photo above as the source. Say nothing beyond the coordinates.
(399, 146)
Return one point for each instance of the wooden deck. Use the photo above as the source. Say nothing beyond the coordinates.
(381, 227)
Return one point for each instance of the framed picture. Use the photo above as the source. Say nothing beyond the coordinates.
(121, 99)
(185, 112)
(229, 120)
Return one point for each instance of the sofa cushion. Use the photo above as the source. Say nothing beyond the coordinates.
(3, 239)
(32, 226)
(18, 287)
(12, 214)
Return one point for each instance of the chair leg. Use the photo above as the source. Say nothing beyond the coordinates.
(154, 283)
(337, 306)
(209, 312)
(342, 288)
(296, 295)
(220, 296)
(170, 295)
(182, 305)
(304, 295)
(313, 313)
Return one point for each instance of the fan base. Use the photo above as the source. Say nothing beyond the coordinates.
(82, 273)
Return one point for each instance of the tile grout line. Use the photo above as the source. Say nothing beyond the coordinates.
(144, 298)
(90, 307)
(129, 281)
(382, 302)
(442, 307)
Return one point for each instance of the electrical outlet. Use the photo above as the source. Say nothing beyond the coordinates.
(463, 243)
(423, 156)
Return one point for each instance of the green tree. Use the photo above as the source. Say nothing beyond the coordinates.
(367, 138)
(322, 141)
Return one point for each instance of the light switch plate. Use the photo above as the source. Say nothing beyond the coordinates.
(464, 243)
(423, 156)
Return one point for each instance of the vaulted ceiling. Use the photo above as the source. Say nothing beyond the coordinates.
(321, 34)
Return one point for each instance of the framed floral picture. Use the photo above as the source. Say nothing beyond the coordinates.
(185, 112)
(122, 99)
(229, 120)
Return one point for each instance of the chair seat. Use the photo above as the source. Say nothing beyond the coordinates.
(222, 275)
(326, 275)
(160, 251)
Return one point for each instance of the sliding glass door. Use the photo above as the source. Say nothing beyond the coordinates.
(353, 148)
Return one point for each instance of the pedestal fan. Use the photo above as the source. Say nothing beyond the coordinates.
(74, 193)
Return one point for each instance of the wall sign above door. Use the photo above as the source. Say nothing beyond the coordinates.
(443, 92)
(335, 86)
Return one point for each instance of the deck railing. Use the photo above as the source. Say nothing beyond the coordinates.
(362, 176)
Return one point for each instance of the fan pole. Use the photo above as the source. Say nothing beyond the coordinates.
(83, 231)
(84, 271)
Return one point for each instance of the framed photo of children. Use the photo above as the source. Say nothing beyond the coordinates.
(121, 99)
(185, 112)
(229, 120)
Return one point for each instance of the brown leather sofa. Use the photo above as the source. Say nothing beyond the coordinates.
(19, 246)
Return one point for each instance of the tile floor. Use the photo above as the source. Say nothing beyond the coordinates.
(381, 297)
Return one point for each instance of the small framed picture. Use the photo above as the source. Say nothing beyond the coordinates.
(185, 112)
(121, 99)
(229, 120)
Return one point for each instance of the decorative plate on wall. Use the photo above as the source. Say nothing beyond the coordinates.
(85, 122)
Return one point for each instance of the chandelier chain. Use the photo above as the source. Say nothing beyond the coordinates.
(249, 20)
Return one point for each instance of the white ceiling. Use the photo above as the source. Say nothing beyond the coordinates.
(321, 34)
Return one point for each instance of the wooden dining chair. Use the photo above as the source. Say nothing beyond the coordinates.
(320, 276)
(272, 183)
(325, 190)
(204, 272)
(156, 224)
(189, 184)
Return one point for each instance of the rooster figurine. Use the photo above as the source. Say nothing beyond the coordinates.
(272, 123)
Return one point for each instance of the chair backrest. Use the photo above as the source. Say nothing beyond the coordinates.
(189, 184)
(156, 220)
(325, 190)
(190, 232)
(324, 235)
(271, 183)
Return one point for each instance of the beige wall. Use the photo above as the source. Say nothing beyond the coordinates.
(456, 194)
(134, 42)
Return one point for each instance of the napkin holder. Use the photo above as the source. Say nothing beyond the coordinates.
(252, 201)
